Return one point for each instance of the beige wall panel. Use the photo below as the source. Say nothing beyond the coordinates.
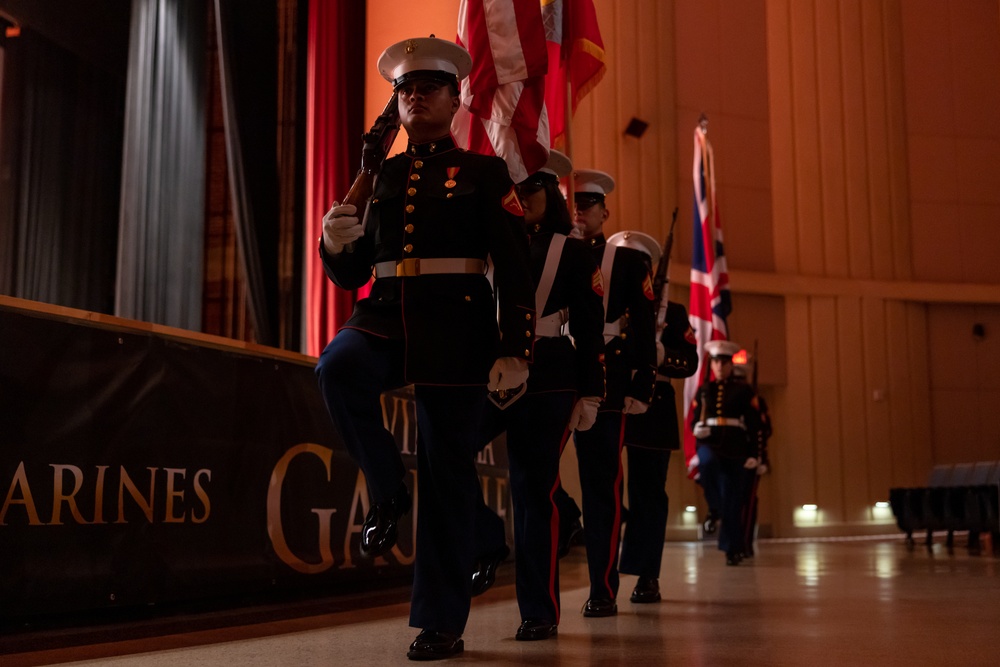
(986, 446)
(936, 236)
(974, 39)
(854, 408)
(955, 425)
(874, 349)
(746, 228)
(805, 129)
(950, 337)
(901, 409)
(699, 58)
(919, 392)
(933, 168)
(660, 185)
(857, 192)
(779, 57)
(976, 159)
(928, 66)
(742, 44)
(898, 190)
(828, 437)
(879, 165)
(761, 318)
(833, 169)
(797, 460)
(981, 255)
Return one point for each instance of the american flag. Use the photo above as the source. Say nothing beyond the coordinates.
(710, 302)
(576, 57)
(503, 98)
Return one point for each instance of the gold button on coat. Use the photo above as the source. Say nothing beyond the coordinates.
(408, 247)
(418, 164)
(409, 208)
(414, 177)
(409, 228)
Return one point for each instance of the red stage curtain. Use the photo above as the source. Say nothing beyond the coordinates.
(335, 63)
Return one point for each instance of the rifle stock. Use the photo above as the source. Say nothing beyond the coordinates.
(377, 142)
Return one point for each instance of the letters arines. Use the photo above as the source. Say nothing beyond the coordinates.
(163, 498)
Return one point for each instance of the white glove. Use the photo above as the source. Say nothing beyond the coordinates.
(693, 463)
(762, 469)
(751, 463)
(341, 227)
(584, 413)
(701, 430)
(661, 354)
(634, 407)
(507, 373)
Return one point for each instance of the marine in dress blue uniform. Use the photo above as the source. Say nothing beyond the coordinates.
(563, 392)
(431, 320)
(724, 415)
(650, 437)
(630, 362)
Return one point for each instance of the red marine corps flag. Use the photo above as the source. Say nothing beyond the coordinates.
(710, 302)
(576, 57)
(503, 98)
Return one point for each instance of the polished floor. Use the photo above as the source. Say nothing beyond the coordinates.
(844, 602)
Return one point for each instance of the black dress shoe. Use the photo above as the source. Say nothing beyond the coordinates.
(733, 558)
(647, 589)
(380, 530)
(430, 645)
(600, 607)
(531, 631)
(486, 571)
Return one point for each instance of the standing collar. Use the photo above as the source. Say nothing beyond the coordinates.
(431, 148)
(597, 241)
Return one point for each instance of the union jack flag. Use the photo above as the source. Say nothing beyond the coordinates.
(710, 302)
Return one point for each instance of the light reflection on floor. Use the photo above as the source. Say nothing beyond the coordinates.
(795, 603)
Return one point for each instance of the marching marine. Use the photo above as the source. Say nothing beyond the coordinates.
(630, 363)
(723, 416)
(652, 435)
(435, 215)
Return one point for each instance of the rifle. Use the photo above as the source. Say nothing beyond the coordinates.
(377, 142)
(661, 281)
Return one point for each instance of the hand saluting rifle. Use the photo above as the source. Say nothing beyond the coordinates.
(344, 223)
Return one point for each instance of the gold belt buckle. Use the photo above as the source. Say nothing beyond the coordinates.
(408, 267)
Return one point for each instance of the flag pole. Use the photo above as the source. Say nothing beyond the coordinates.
(568, 139)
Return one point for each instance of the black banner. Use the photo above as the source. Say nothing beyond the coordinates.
(137, 468)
